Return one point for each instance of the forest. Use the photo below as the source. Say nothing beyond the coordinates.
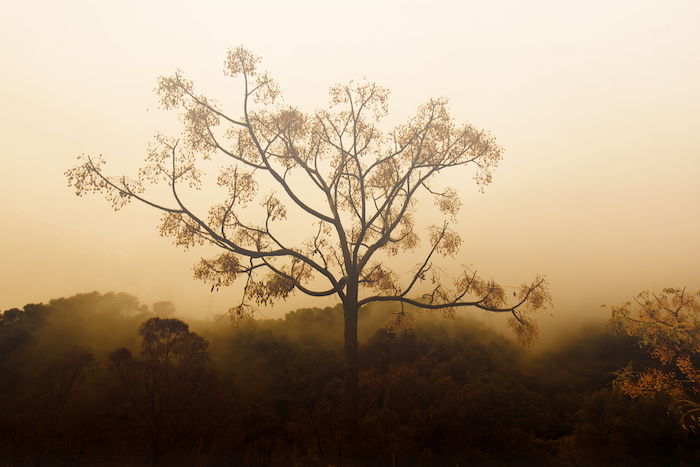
(101, 379)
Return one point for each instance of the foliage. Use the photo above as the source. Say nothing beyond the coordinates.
(668, 326)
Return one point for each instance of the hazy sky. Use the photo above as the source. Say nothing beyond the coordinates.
(597, 105)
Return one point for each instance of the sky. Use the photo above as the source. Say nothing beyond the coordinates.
(596, 105)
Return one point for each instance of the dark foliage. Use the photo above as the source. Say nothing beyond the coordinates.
(101, 380)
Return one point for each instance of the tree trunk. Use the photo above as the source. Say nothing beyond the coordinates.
(351, 309)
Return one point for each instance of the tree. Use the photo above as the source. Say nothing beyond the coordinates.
(164, 309)
(168, 381)
(59, 382)
(668, 326)
(356, 187)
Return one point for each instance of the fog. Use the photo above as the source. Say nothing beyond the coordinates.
(86, 385)
(596, 108)
(595, 105)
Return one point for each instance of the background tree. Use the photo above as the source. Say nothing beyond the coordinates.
(333, 170)
(668, 326)
(59, 382)
(164, 309)
(168, 382)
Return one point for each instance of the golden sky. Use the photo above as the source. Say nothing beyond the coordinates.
(597, 105)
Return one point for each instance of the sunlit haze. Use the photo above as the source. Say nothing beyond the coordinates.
(596, 105)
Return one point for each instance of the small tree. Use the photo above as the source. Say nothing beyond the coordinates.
(355, 188)
(59, 382)
(668, 326)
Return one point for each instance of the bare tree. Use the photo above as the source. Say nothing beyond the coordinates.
(354, 187)
(59, 382)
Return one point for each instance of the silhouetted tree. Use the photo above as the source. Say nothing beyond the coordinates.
(10, 316)
(59, 382)
(354, 187)
(167, 382)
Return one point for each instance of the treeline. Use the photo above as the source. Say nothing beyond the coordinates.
(103, 380)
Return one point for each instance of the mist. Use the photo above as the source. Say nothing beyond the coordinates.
(595, 107)
(576, 190)
(265, 392)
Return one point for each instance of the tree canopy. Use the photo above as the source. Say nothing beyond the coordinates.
(269, 392)
(357, 184)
